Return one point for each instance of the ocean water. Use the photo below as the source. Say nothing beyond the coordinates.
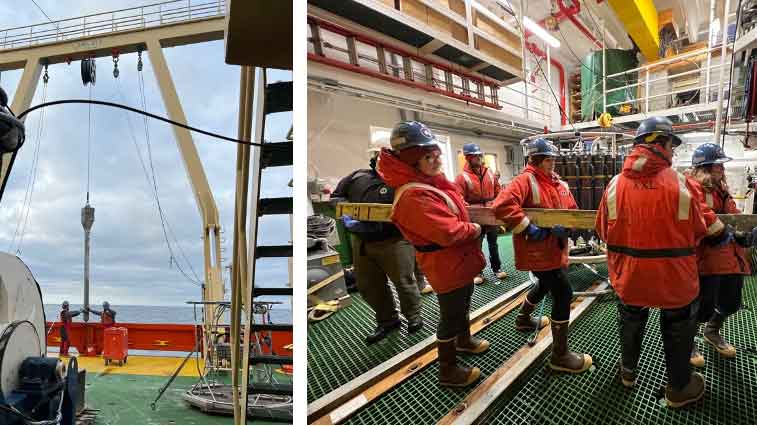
(162, 314)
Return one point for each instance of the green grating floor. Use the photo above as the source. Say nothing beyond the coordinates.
(420, 400)
(337, 352)
(599, 398)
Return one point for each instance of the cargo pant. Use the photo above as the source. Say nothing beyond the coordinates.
(376, 261)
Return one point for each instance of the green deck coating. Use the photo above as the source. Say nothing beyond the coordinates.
(125, 399)
(336, 353)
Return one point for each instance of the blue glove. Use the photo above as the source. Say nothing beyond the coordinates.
(349, 222)
(560, 232)
(535, 233)
(358, 227)
(722, 239)
(746, 239)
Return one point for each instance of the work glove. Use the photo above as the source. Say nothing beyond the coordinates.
(536, 233)
(746, 239)
(722, 239)
(359, 227)
(560, 232)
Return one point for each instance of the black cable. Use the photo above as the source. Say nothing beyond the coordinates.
(138, 111)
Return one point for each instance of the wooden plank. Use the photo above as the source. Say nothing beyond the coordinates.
(339, 396)
(478, 401)
(576, 219)
(410, 368)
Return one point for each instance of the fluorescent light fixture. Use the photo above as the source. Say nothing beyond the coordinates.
(527, 22)
(540, 32)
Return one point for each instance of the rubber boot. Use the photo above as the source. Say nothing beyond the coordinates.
(697, 359)
(525, 322)
(692, 392)
(713, 337)
(465, 342)
(450, 374)
(562, 359)
(627, 376)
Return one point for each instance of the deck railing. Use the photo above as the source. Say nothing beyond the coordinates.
(167, 12)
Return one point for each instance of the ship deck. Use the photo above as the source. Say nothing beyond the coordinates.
(123, 394)
(337, 354)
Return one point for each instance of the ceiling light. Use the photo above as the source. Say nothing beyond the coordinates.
(540, 32)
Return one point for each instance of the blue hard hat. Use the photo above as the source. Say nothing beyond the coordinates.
(472, 149)
(656, 126)
(709, 153)
(542, 146)
(408, 134)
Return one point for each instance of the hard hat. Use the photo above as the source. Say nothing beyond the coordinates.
(653, 127)
(65, 304)
(472, 149)
(709, 153)
(542, 146)
(408, 134)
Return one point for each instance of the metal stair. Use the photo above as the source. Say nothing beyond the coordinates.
(277, 99)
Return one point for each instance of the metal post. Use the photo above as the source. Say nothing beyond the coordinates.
(646, 92)
(719, 113)
(239, 257)
(709, 53)
(549, 82)
(524, 58)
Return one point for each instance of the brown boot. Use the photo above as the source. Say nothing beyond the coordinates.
(471, 344)
(524, 321)
(562, 359)
(713, 337)
(696, 359)
(692, 392)
(450, 374)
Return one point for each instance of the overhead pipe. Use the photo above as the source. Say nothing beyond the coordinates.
(571, 13)
(561, 71)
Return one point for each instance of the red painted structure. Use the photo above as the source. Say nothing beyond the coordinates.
(154, 337)
(490, 84)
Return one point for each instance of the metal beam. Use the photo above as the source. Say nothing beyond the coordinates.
(126, 42)
(257, 117)
(213, 288)
(239, 261)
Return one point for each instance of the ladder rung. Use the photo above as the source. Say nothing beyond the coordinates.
(270, 359)
(270, 388)
(278, 97)
(272, 291)
(281, 205)
(270, 327)
(277, 154)
(273, 251)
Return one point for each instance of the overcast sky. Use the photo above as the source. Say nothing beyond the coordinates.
(131, 263)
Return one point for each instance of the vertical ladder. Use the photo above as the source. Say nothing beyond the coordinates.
(268, 99)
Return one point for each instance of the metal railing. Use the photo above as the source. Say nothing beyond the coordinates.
(168, 12)
(643, 88)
